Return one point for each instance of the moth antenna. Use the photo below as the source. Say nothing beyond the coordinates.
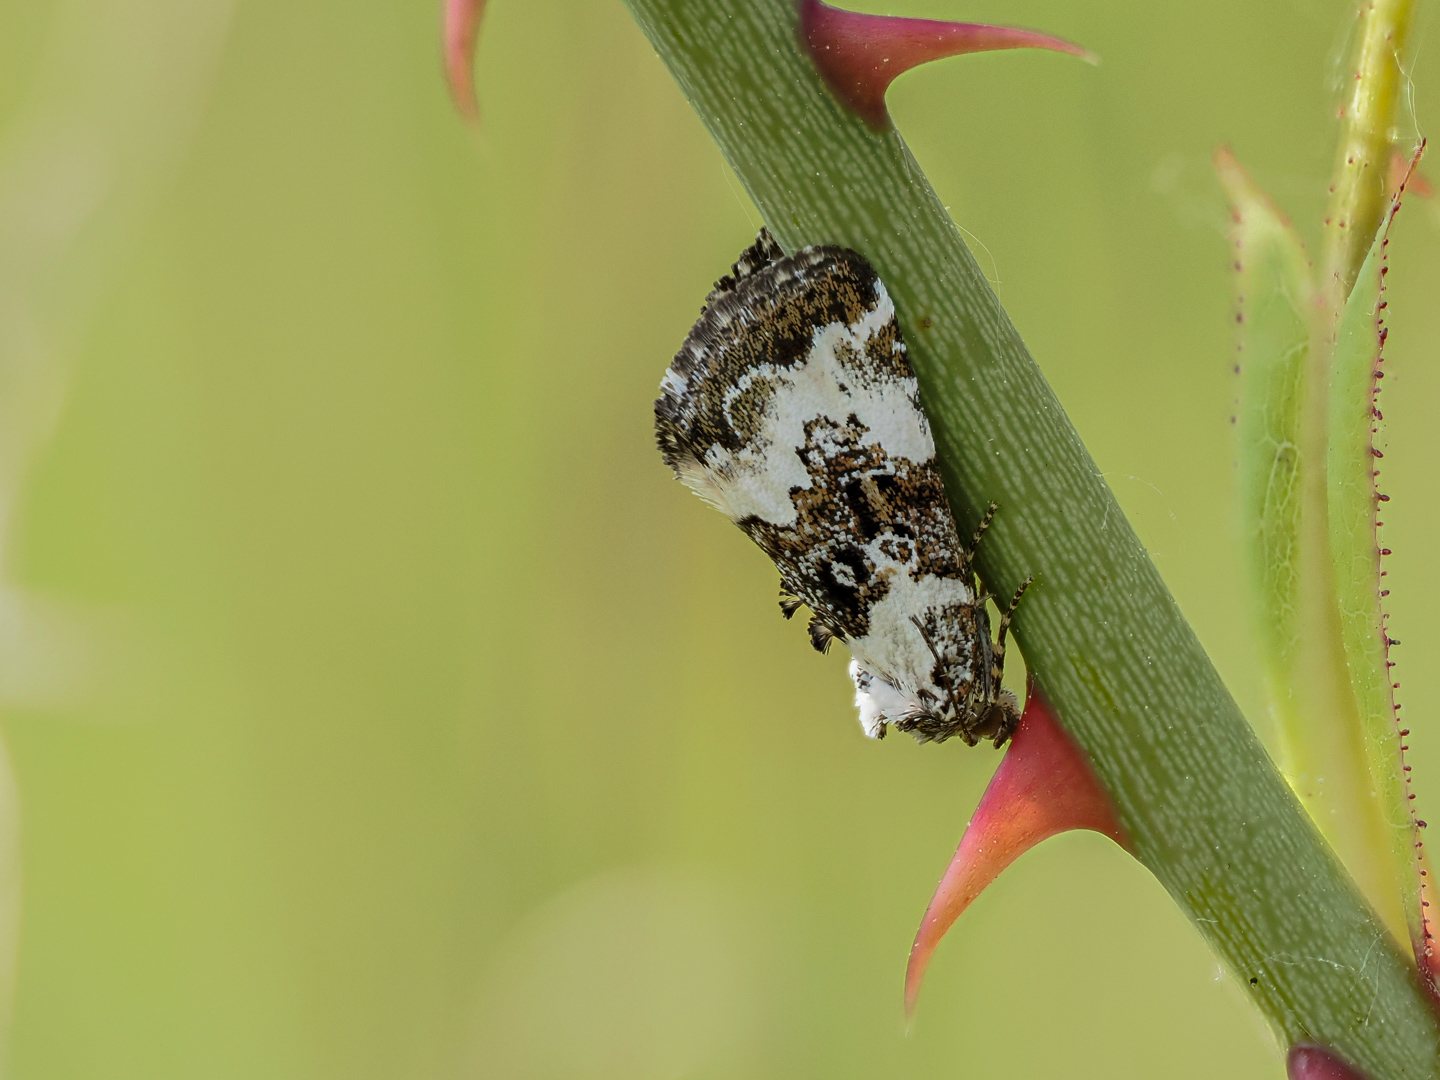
(820, 635)
(925, 637)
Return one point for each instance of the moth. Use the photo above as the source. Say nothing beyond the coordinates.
(792, 408)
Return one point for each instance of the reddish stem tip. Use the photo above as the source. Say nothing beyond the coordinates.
(460, 28)
(1044, 786)
(859, 55)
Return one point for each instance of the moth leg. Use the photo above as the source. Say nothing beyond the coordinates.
(998, 649)
(979, 532)
(789, 603)
(1005, 710)
(1005, 714)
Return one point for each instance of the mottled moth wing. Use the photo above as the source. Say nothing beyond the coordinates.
(792, 408)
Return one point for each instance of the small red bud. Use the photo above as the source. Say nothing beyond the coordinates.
(1316, 1063)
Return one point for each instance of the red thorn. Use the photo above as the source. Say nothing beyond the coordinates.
(461, 29)
(1317, 1063)
(1044, 786)
(859, 55)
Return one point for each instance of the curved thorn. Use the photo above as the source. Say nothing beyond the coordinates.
(460, 30)
(859, 55)
(1044, 786)
(1317, 1063)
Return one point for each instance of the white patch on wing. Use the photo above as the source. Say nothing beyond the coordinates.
(757, 479)
(877, 700)
(894, 648)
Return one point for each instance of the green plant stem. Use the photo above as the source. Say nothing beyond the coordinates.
(1206, 809)
(1359, 190)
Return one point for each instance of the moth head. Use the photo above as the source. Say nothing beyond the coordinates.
(935, 719)
(1000, 719)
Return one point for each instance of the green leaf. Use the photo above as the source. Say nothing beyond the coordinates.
(1276, 302)
(1312, 707)
(1355, 555)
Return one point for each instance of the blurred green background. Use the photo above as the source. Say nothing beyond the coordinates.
(379, 706)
